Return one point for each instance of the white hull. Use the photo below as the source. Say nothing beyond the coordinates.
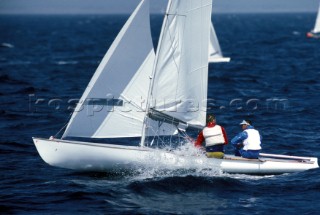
(85, 156)
(219, 60)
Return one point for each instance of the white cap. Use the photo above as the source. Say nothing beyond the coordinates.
(244, 122)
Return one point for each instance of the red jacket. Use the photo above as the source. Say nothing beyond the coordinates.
(200, 138)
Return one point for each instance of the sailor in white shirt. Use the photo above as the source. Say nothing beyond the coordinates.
(247, 144)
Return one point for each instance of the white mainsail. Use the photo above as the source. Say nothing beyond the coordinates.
(113, 103)
(317, 25)
(215, 53)
(180, 76)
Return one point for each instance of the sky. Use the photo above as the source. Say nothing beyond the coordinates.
(157, 6)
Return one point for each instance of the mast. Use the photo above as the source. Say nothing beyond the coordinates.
(144, 127)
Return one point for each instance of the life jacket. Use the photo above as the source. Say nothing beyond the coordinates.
(213, 135)
(253, 141)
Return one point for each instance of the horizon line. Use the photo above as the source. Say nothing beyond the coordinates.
(124, 13)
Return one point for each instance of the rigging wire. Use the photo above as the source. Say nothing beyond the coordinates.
(70, 115)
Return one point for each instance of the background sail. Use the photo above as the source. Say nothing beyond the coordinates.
(113, 103)
(215, 53)
(181, 71)
(317, 25)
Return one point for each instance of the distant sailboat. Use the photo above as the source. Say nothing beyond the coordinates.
(137, 94)
(315, 33)
(215, 53)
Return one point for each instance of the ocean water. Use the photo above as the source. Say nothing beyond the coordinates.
(273, 78)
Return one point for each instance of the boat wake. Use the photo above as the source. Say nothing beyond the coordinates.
(181, 161)
(186, 161)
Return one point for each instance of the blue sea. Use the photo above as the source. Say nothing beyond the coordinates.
(273, 78)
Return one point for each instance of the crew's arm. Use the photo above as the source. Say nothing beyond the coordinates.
(224, 135)
(239, 138)
(200, 140)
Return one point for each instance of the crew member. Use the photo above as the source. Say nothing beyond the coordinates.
(215, 138)
(247, 144)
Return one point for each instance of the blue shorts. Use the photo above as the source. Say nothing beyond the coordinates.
(251, 154)
(215, 148)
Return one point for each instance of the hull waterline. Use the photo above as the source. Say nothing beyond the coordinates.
(313, 35)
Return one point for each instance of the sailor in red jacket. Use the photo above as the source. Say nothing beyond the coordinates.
(215, 138)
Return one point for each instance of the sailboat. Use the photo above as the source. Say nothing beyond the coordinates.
(315, 32)
(215, 53)
(151, 99)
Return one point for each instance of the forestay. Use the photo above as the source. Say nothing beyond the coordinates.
(113, 104)
(180, 78)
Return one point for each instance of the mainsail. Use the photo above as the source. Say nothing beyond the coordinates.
(113, 104)
(180, 75)
(317, 25)
(215, 53)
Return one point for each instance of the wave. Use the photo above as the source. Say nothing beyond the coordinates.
(9, 80)
(12, 147)
(26, 90)
(66, 62)
(182, 184)
(6, 45)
